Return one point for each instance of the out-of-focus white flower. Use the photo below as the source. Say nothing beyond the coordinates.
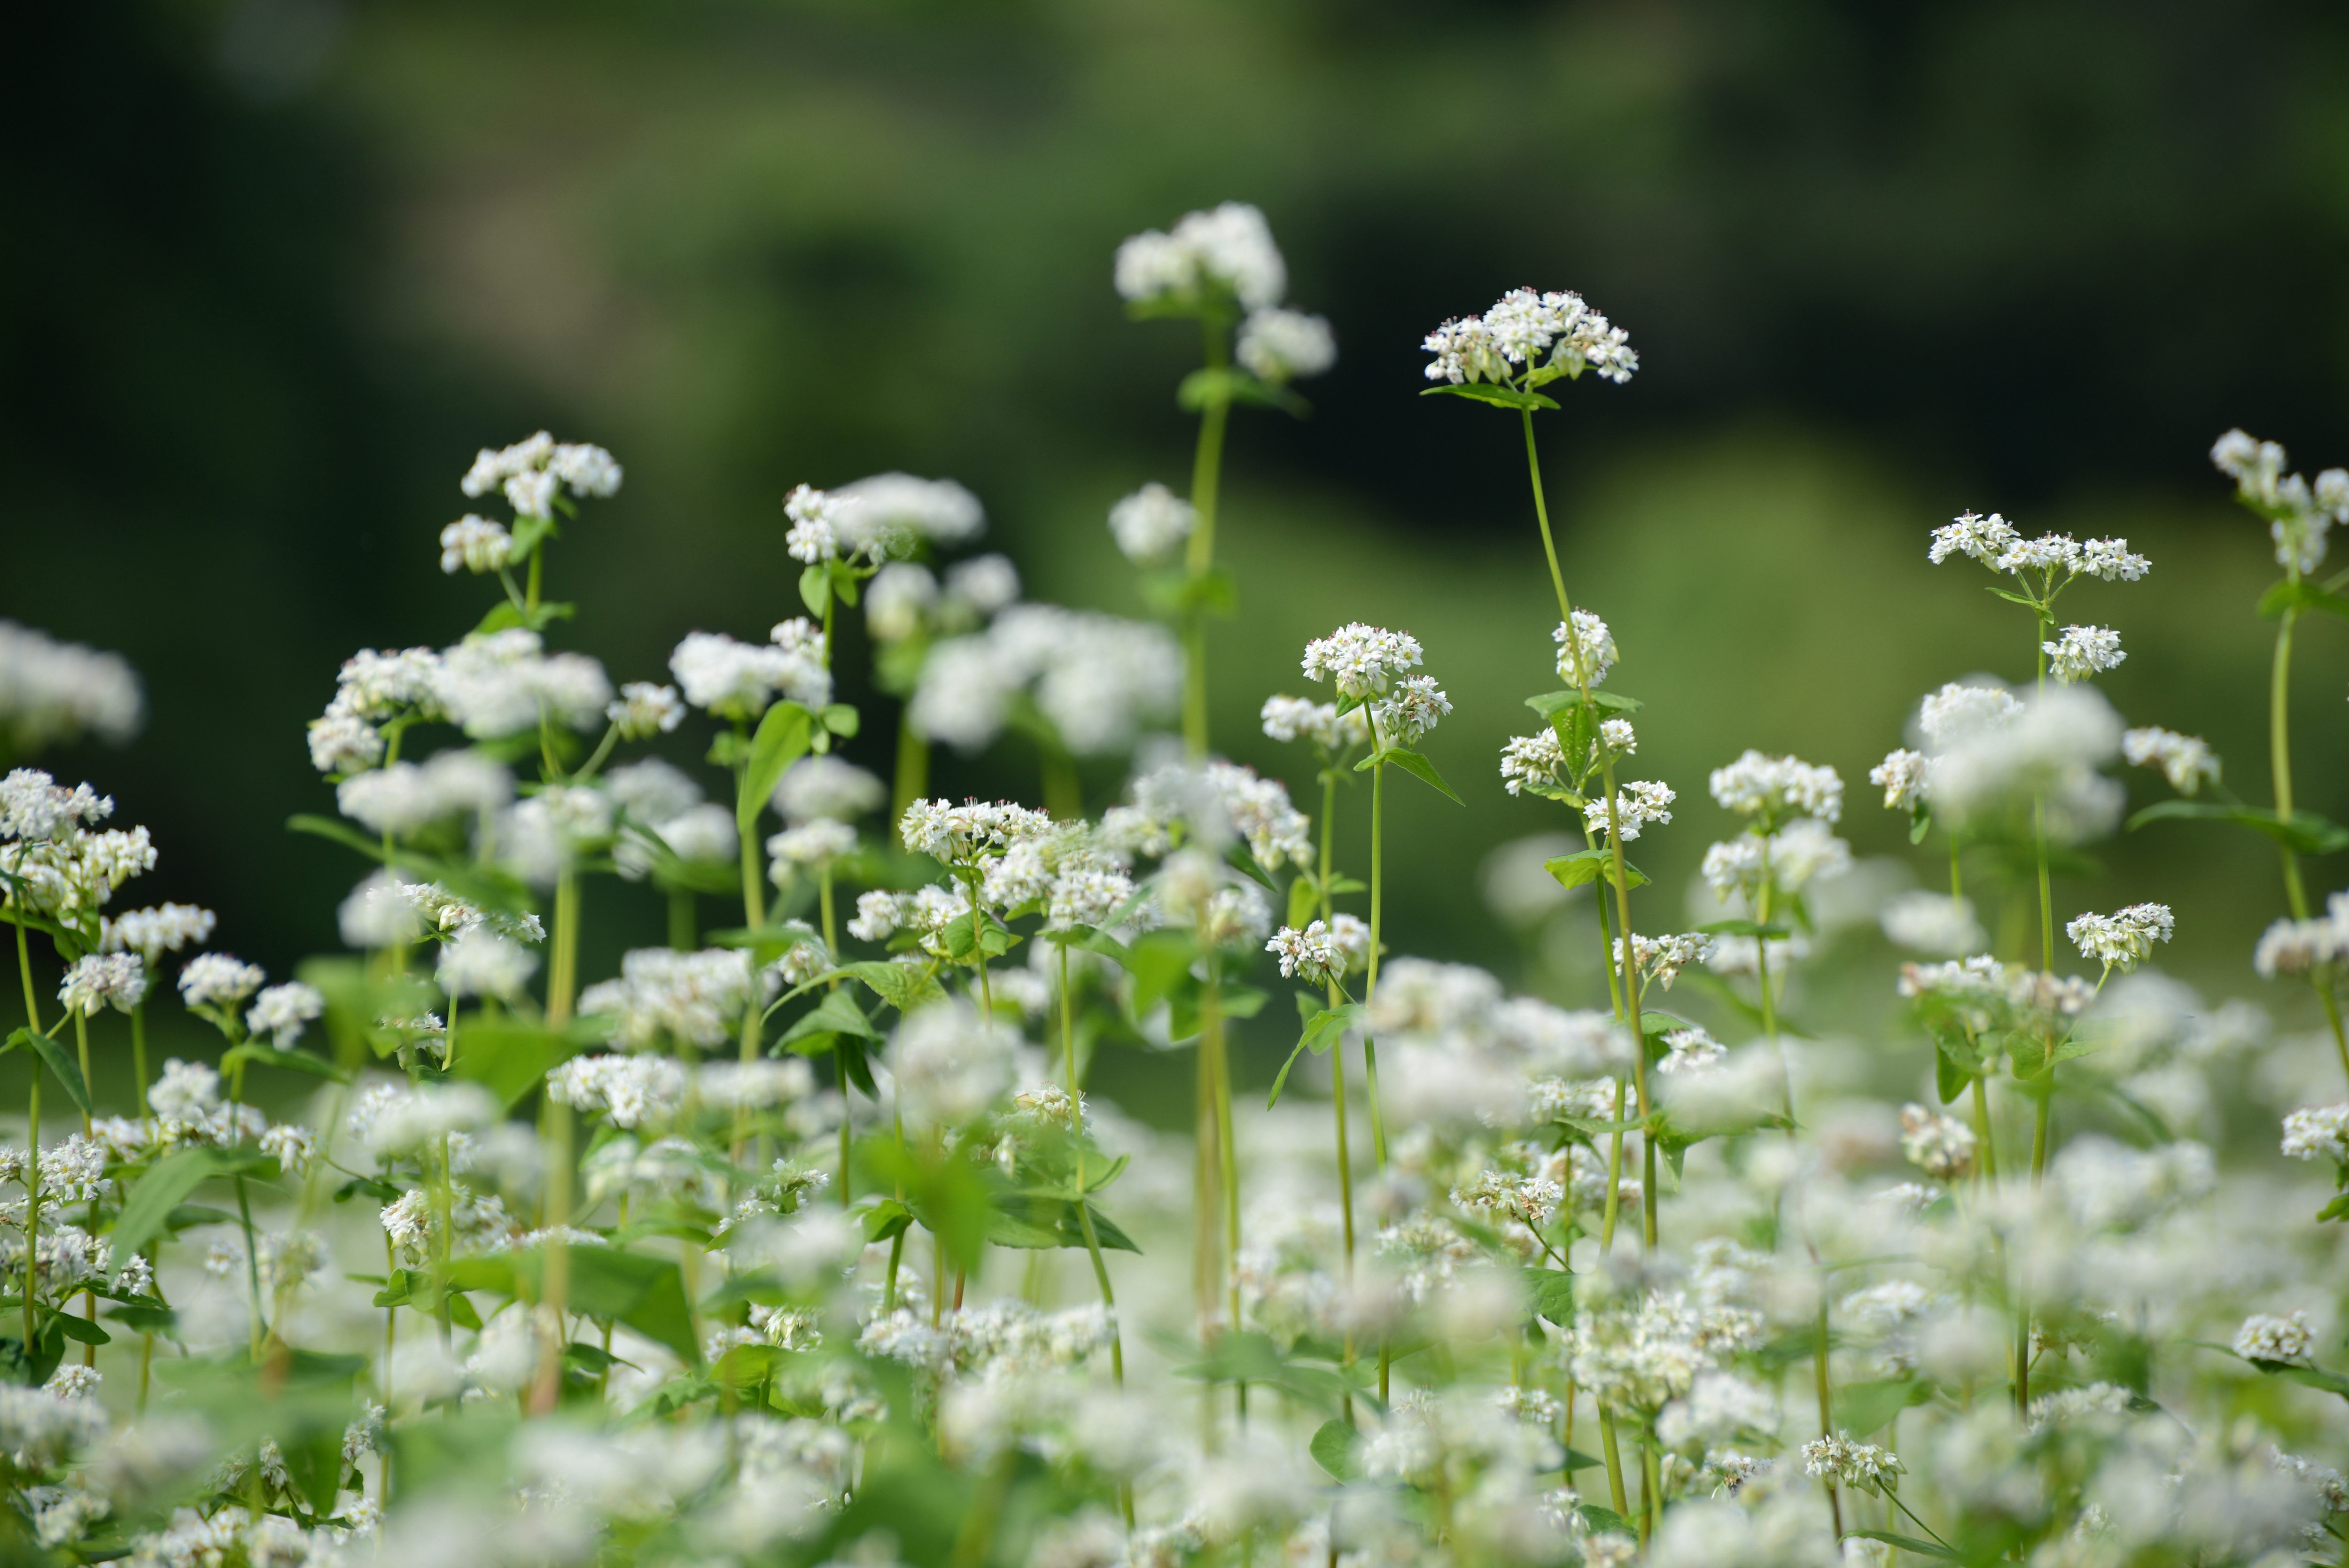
(474, 544)
(482, 962)
(2186, 761)
(2265, 1337)
(51, 692)
(1151, 524)
(738, 680)
(1227, 251)
(1285, 345)
(950, 1064)
(282, 1011)
(1932, 923)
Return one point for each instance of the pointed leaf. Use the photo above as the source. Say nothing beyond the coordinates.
(836, 1014)
(1499, 397)
(1590, 865)
(1332, 1449)
(782, 739)
(1420, 767)
(1909, 1544)
(147, 1210)
(61, 1065)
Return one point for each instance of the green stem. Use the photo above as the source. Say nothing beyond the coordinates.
(81, 1050)
(1631, 1010)
(1608, 1448)
(1769, 1003)
(1826, 1407)
(683, 934)
(1370, 992)
(537, 562)
(139, 1058)
(1541, 513)
(1207, 467)
(557, 1268)
(913, 776)
(1338, 1051)
(1064, 792)
(563, 966)
(1084, 1205)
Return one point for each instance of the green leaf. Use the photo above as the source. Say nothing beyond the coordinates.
(1332, 1449)
(646, 1294)
(1178, 593)
(837, 1014)
(1907, 1544)
(1867, 1407)
(1219, 384)
(842, 719)
(764, 1286)
(886, 1219)
(1950, 1077)
(903, 987)
(815, 589)
(1420, 767)
(340, 832)
(1032, 1220)
(2313, 1376)
(509, 1056)
(2305, 832)
(1591, 865)
(81, 1330)
(1550, 704)
(2291, 595)
(297, 1061)
(1157, 960)
(781, 740)
(1499, 397)
(145, 1319)
(60, 1064)
(1603, 1519)
(1920, 823)
(147, 1206)
(1552, 1293)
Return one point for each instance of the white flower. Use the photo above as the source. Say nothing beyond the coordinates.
(1314, 954)
(2186, 760)
(1518, 328)
(949, 1064)
(1414, 706)
(2318, 1132)
(1537, 759)
(117, 980)
(2264, 1337)
(1637, 804)
(2298, 518)
(482, 963)
(1903, 776)
(811, 537)
(1228, 251)
(2122, 939)
(827, 788)
(692, 998)
(2081, 651)
(51, 692)
(215, 979)
(1586, 649)
(1941, 1146)
(987, 584)
(1287, 719)
(1362, 660)
(1285, 345)
(1932, 923)
(738, 680)
(474, 544)
(1863, 1465)
(1958, 712)
(2110, 559)
(1151, 524)
(529, 471)
(633, 1091)
(1772, 786)
(344, 743)
(890, 515)
(282, 1011)
(498, 683)
(645, 709)
(162, 928)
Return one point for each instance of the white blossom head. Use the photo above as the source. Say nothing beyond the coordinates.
(890, 516)
(53, 692)
(482, 962)
(1211, 261)
(827, 787)
(1362, 661)
(1282, 346)
(949, 1063)
(1151, 524)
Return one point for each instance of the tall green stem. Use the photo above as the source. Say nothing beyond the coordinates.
(32, 1148)
(1206, 468)
(562, 964)
(1084, 1204)
(913, 776)
(1826, 1409)
(1370, 992)
(2280, 765)
(1337, 1052)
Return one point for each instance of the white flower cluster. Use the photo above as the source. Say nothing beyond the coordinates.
(2186, 760)
(53, 692)
(1511, 337)
(1638, 803)
(2305, 946)
(693, 999)
(2058, 557)
(1287, 718)
(532, 473)
(738, 680)
(1099, 680)
(1151, 524)
(2123, 939)
(2300, 515)
(1323, 951)
(1226, 252)
(884, 517)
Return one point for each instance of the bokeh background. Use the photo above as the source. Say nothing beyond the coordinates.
(277, 267)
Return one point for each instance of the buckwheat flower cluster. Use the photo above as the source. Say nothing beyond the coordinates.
(52, 692)
(480, 962)
(2299, 515)
(1637, 804)
(1098, 680)
(963, 835)
(2058, 557)
(1931, 923)
(407, 796)
(1659, 960)
(630, 1091)
(1414, 706)
(152, 932)
(737, 680)
(1321, 952)
(1363, 661)
(687, 999)
(1283, 345)
(1514, 334)
(498, 683)
(1864, 1465)
(644, 709)
(475, 544)
(117, 980)
(2083, 651)
(2186, 760)
(1941, 1146)
(2123, 939)
(1535, 762)
(2048, 758)
(1287, 718)
(2318, 1132)
(1586, 649)
(1772, 788)
(1226, 253)
(218, 980)
(2300, 947)
(2266, 1337)
(531, 473)
(54, 865)
(809, 847)
(1151, 524)
(282, 1012)
(949, 1064)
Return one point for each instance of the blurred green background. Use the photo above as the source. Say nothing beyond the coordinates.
(279, 266)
